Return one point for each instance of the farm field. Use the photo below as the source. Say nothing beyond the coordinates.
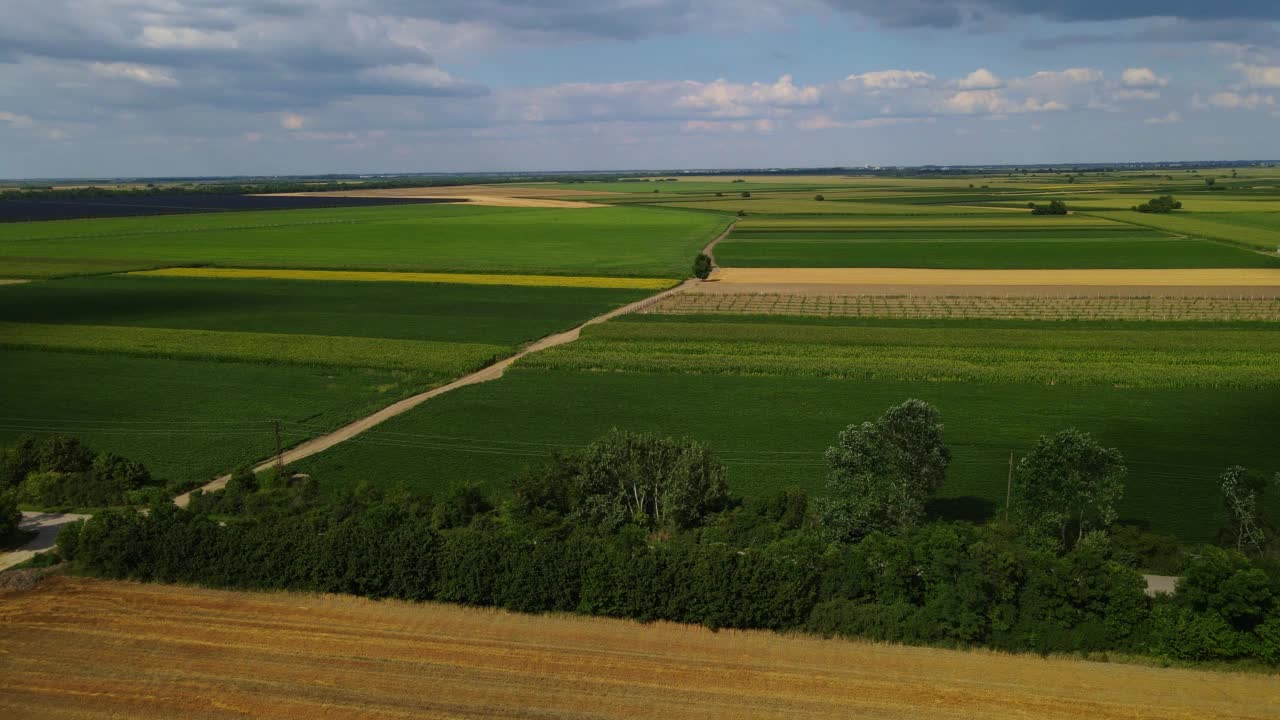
(36, 209)
(302, 656)
(439, 238)
(771, 432)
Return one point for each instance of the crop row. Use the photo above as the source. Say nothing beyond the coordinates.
(1012, 308)
(936, 363)
(424, 356)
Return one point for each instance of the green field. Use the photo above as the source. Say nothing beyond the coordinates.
(1258, 230)
(771, 431)
(1027, 253)
(445, 238)
(502, 315)
(186, 419)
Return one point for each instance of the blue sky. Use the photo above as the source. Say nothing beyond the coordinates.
(201, 87)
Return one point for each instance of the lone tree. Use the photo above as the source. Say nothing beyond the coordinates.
(819, 197)
(883, 472)
(746, 193)
(702, 266)
(1055, 207)
(1210, 182)
(1160, 205)
(1068, 481)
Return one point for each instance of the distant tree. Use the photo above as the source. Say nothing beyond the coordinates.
(1210, 182)
(719, 194)
(1068, 481)
(1071, 179)
(882, 473)
(1055, 207)
(702, 266)
(1242, 492)
(746, 193)
(819, 197)
(1234, 175)
(1160, 205)
(742, 213)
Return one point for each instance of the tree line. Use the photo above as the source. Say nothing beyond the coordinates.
(642, 526)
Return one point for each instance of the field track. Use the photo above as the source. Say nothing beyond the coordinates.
(12, 281)
(75, 648)
(1231, 277)
(492, 372)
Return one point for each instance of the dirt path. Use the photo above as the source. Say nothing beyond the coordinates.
(46, 526)
(709, 250)
(12, 281)
(492, 372)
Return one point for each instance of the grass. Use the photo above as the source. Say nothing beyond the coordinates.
(126, 650)
(507, 316)
(434, 359)
(1130, 358)
(999, 254)
(1257, 230)
(439, 278)
(186, 419)
(771, 431)
(437, 238)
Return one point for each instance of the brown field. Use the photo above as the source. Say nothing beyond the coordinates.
(75, 648)
(1231, 277)
(996, 307)
(496, 195)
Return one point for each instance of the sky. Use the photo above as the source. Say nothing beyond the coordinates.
(124, 88)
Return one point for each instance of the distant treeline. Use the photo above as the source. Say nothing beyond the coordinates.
(641, 527)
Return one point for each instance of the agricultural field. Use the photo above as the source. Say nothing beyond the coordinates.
(303, 656)
(35, 209)
(434, 238)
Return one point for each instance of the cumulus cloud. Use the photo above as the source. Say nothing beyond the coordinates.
(292, 121)
(1142, 78)
(891, 79)
(1236, 101)
(980, 79)
(727, 99)
(1261, 76)
(15, 120)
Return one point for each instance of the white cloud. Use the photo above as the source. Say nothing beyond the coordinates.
(892, 79)
(980, 79)
(1136, 94)
(132, 71)
(994, 102)
(1070, 75)
(1236, 101)
(15, 119)
(184, 38)
(1263, 76)
(725, 99)
(292, 121)
(1142, 78)
(1172, 118)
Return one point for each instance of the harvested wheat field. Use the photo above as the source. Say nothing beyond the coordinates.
(972, 306)
(495, 195)
(1228, 277)
(76, 648)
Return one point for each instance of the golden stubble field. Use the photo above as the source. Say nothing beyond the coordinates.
(74, 648)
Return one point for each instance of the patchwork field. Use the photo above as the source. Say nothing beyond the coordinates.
(304, 656)
(436, 238)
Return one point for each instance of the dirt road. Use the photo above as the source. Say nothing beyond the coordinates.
(78, 648)
(46, 526)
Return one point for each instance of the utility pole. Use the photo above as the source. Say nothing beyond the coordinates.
(1008, 489)
(279, 455)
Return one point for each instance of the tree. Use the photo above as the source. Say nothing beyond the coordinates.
(10, 515)
(1160, 205)
(1242, 492)
(1210, 182)
(819, 197)
(702, 266)
(746, 194)
(1068, 480)
(642, 478)
(883, 472)
(1055, 207)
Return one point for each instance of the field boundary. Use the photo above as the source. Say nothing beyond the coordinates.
(576, 281)
(492, 372)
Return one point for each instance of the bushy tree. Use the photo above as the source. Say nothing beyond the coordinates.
(10, 515)
(819, 197)
(702, 266)
(1068, 481)
(1242, 492)
(1160, 205)
(746, 193)
(1055, 207)
(637, 477)
(883, 472)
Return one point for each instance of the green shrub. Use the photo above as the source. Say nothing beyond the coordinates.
(702, 266)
